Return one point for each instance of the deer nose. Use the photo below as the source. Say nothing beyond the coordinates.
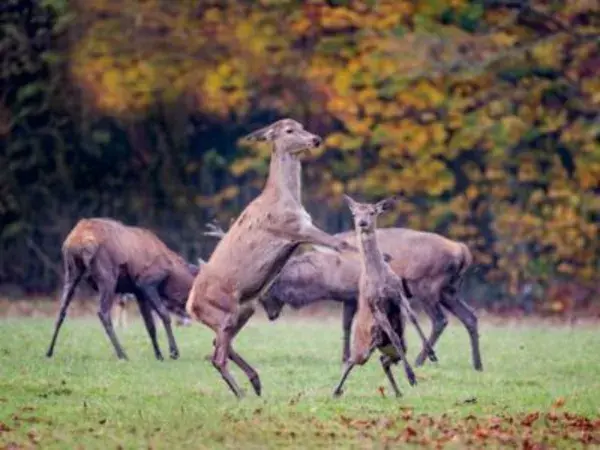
(362, 223)
(316, 141)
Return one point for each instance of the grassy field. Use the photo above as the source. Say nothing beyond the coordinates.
(540, 385)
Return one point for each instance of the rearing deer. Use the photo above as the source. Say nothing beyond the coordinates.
(379, 322)
(254, 250)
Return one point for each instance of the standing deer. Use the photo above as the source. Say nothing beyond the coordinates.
(379, 322)
(118, 259)
(251, 254)
(432, 266)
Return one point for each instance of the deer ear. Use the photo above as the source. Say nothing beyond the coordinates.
(350, 202)
(261, 135)
(386, 204)
(194, 269)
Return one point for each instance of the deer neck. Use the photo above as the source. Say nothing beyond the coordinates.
(285, 174)
(372, 260)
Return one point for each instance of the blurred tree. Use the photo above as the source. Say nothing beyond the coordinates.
(483, 114)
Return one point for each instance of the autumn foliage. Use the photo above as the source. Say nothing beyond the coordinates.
(483, 114)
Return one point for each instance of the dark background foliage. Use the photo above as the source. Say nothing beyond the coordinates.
(483, 114)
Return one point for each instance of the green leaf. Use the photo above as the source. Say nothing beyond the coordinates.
(29, 90)
(12, 230)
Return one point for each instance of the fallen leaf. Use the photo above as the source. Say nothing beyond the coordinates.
(530, 418)
(559, 402)
(407, 415)
(381, 390)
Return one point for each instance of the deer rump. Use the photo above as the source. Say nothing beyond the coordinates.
(113, 258)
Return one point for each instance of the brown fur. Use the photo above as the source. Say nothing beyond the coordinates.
(251, 254)
(433, 276)
(432, 267)
(117, 259)
(379, 322)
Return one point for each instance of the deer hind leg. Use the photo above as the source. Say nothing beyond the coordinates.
(73, 275)
(467, 316)
(107, 295)
(222, 352)
(246, 312)
(382, 321)
(439, 321)
(386, 363)
(146, 313)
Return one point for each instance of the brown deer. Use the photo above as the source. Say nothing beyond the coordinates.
(379, 322)
(432, 266)
(251, 254)
(113, 259)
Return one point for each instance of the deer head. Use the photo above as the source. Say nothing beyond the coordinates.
(272, 305)
(365, 214)
(287, 136)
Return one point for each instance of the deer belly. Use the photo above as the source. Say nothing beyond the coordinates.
(388, 350)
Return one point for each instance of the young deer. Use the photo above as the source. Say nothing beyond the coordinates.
(114, 258)
(379, 322)
(259, 243)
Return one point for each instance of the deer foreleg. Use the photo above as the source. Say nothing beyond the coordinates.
(151, 295)
(386, 362)
(146, 313)
(439, 321)
(348, 366)
(349, 310)
(383, 322)
(310, 234)
(106, 302)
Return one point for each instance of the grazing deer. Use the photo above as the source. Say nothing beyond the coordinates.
(432, 266)
(117, 259)
(251, 254)
(379, 322)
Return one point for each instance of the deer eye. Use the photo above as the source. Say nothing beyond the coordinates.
(289, 131)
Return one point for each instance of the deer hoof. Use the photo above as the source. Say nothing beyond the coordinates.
(159, 357)
(338, 393)
(420, 360)
(255, 381)
(174, 354)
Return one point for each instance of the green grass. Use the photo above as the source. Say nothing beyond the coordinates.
(84, 397)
